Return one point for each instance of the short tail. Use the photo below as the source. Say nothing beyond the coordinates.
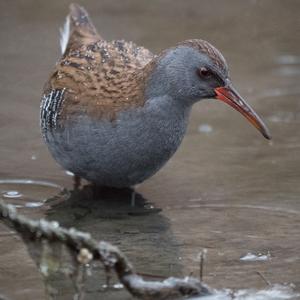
(78, 29)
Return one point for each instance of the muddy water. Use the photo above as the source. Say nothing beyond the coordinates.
(226, 189)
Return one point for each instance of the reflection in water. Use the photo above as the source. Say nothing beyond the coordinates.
(100, 202)
(109, 215)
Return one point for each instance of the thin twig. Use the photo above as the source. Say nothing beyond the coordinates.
(202, 258)
(264, 278)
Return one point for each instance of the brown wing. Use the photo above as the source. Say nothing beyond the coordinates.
(82, 30)
(99, 78)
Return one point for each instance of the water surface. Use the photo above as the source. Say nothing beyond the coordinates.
(227, 189)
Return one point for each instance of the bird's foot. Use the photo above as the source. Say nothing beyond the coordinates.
(133, 196)
(76, 182)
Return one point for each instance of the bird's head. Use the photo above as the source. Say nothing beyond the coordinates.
(194, 70)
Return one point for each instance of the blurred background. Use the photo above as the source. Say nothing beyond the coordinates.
(226, 189)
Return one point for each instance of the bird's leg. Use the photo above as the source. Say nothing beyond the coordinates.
(76, 182)
(133, 194)
(108, 276)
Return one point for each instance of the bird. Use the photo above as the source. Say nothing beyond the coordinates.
(114, 113)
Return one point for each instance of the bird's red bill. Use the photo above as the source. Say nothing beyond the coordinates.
(229, 95)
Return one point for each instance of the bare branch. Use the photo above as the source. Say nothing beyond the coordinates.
(112, 258)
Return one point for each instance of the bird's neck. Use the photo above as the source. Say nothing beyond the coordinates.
(162, 80)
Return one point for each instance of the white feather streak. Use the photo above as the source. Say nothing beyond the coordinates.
(64, 35)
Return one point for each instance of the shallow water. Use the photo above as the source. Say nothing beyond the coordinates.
(227, 189)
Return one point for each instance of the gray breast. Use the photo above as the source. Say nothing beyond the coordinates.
(123, 152)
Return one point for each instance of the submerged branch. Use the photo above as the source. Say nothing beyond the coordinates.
(112, 258)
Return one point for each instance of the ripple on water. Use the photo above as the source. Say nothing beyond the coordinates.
(284, 104)
(285, 117)
(273, 292)
(256, 257)
(11, 194)
(27, 192)
(205, 128)
(279, 92)
(288, 59)
(289, 70)
(288, 65)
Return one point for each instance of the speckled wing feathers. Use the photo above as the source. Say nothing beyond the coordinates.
(82, 30)
(99, 78)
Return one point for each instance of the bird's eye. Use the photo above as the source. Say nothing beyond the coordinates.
(204, 72)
